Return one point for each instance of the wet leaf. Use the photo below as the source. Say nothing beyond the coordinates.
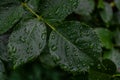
(114, 55)
(74, 46)
(85, 7)
(106, 37)
(33, 4)
(117, 2)
(57, 9)
(9, 15)
(106, 13)
(102, 71)
(27, 42)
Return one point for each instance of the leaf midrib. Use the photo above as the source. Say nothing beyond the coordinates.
(52, 27)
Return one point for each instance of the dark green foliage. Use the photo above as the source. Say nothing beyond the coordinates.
(9, 15)
(59, 40)
(77, 49)
(29, 43)
(57, 9)
(106, 13)
(85, 7)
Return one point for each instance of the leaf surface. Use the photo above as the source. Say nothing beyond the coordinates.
(105, 36)
(75, 46)
(27, 42)
(85, 7)
(117, 2)
(9, 15)
(106, 13)
(102, 71)
(57, 9)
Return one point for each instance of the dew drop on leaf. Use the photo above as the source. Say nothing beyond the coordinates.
(40, 45)
(53, 36)
(22, 39)
(53, 48)
(99, 66)
(43, 36)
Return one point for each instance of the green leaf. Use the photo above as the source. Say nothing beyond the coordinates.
(8, 2)
(100, 4)
(102, 72)
(27, 42)
(74, 46)
(3, 47)
(114, 55)
(9, 15)
(106, 13)
(105, 36)
(117, 2)
(117, 37)
(33, 4)
(57, 9)
(85, 7)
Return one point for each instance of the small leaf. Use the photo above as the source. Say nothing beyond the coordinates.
(105, 36)
(102, 72)
(100, 4)
(9, 16)
(74, 46)
(3, 47)
(57, 9)
(117, 2)
(85, 7)
(27, 42)
(106, 13)
(113, 55)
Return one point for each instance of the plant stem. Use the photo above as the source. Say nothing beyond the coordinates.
(115, 75)
(39, 17)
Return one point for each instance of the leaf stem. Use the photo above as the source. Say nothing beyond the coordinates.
(116, 75)
(38, 16)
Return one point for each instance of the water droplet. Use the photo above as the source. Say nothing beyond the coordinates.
(27, 50)
(55, 57)
(67, 47)
(84, 64)
(26, 30)
(57, 11)
(43, 36)
(75, 3)
(77, 41)
(53, 48)
(40, 45)
(12, 49)
(92, 45)
(22, 39)
(91, 64)
(53, 36)
(99, 66)
(76, 54)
